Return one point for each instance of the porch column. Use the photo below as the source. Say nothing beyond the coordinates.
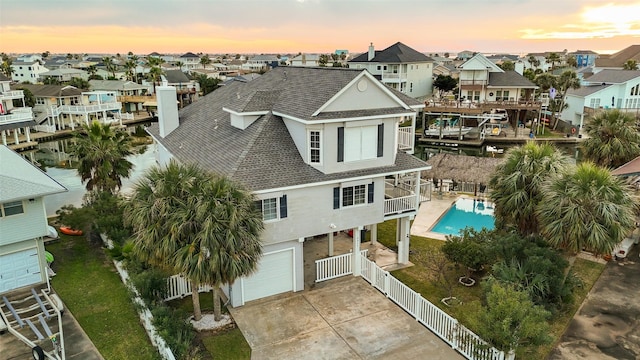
(417, 189)
(27, 133)
(4, 137)
(374, 234)
(403, 239)
(15, 136)
(355, 261)
(86, 118)
(331, 243)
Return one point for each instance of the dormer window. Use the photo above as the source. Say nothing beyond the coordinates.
(314, 147)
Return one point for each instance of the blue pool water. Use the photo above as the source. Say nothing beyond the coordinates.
(466, 212)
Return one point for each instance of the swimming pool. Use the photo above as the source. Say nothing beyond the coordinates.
(465, 212)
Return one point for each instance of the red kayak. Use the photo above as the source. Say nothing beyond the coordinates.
(69, 231)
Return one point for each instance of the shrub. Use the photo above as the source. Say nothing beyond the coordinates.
(151, 285)
(174, 328)
(472, 249)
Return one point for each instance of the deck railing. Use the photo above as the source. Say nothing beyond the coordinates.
(400, 204)
(406, 138)
(13, 94)
(440, 323)
(17, 115)
(178, 287)
(336, 266)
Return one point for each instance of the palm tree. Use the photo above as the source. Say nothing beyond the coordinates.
(587, 208)
(517, 184)
(553, 58)
(179, 64)
(567, 80)
(130, 66)
(630, 65)
(102, 154)
(154, 76)
(135, 59)
(92, 70)
(572, 61)
(201, 225)
(533, 61)
(109, 65)
(204, 61)
(6, 68)
(612, 138)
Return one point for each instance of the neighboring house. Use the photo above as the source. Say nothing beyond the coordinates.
(308, 60)
(187, 89)
(465, 55)
(446, 69)
(64, 74)
(400, 67)
(59, 107)
(320, 148)
(23, 221)
(190, 61)
(132, 95)
(170, 58)
(483, 81)
(14, 120)
(27, 71)
(261, 62)
(617, 60)
(29, 58)
(242, 78)
(608, 89)
(584, 58)
(541, 59)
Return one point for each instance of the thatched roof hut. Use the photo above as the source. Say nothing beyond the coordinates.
(462, 168)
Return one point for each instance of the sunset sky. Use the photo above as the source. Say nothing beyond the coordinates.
(320, 26)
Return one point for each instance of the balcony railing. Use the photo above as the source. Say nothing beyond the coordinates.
(9, 95)
(406, 138)
(85, 109)
(473, 82)
(400, 205)
(17, 115)
(135, 98)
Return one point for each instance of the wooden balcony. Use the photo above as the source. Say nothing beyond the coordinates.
(478, 107)
(135, 98)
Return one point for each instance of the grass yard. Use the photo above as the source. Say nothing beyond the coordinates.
(228, 343)
(91, 288)
(420, 278)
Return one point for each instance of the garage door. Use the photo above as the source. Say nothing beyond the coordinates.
(275, 275)
(19, 269)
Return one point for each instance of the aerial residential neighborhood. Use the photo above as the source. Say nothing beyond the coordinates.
(339, 187)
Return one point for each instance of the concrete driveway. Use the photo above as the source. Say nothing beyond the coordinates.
(607, 326)
(345, 318)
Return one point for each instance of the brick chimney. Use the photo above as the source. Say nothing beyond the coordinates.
(167, 109)
(372, 52)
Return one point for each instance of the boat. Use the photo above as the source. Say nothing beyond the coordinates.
(69, 231)
(447, 127)
(495, 150)
(52, 233)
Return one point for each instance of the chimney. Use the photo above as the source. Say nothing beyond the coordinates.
(372, 53)
(167, 109)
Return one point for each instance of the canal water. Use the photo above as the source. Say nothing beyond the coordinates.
(54, 159)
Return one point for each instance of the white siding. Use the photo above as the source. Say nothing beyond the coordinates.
(28, 225)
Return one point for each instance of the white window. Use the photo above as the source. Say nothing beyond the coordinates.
(352, 195)
(360, 143)
(273, 208)
(595, 103)
(40, 101)
(12, 208)
(314, 147)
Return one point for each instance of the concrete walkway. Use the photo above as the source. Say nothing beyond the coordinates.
(345, 318)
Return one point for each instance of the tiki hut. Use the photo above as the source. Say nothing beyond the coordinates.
(462, 168)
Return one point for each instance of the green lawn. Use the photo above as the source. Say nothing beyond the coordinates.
(91, 288)
(225, 344)
(420, 279)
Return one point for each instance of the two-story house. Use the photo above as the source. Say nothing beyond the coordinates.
(64, 74)
(15, 117)
(27, 71)
(322, 149)
(23, 223)
(400, 67)
(190, 61)
(261, 62)
(309, 60)
(58, 107)
(618, 59)
(607, 89)
(131, 94)
(584, 58)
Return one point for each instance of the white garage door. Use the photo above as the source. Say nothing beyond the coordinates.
(19, 269)
(275, 275)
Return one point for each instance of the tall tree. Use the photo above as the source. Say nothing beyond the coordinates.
(6, 68)
(571, 61)
(204, 61)
(553, 58)
(587, 208)
(566, 81)
(517, 184)
(507, 65)
(135, 59)
(207, 84)
(179, 64)
(130, 67)
(109, 65)
(102, 156)
(612, 138)
(201, 225)
(444, 84)
(533, 61)
(79, 83)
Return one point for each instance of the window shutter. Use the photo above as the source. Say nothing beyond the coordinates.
(258, 205)
(341, 144)
(283, 206)
(380, 140)
(336, 197)
(370, 193)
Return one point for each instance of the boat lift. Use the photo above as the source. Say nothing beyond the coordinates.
(36, 319)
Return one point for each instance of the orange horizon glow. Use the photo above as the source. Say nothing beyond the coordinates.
(610, 26)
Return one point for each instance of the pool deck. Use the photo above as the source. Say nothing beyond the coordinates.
(431, 211)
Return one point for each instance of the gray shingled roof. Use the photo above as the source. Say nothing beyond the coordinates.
(586, 90)
(116, 85)
(49, 90)
(264, 156)
(618, 59)
(509, 78)
(189, 55)
(396, 53)
(611, 76)
(19, 179)
(176, 77)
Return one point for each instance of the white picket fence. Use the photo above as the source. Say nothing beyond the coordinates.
(178, 287)
(336, 266)
(440, 323)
